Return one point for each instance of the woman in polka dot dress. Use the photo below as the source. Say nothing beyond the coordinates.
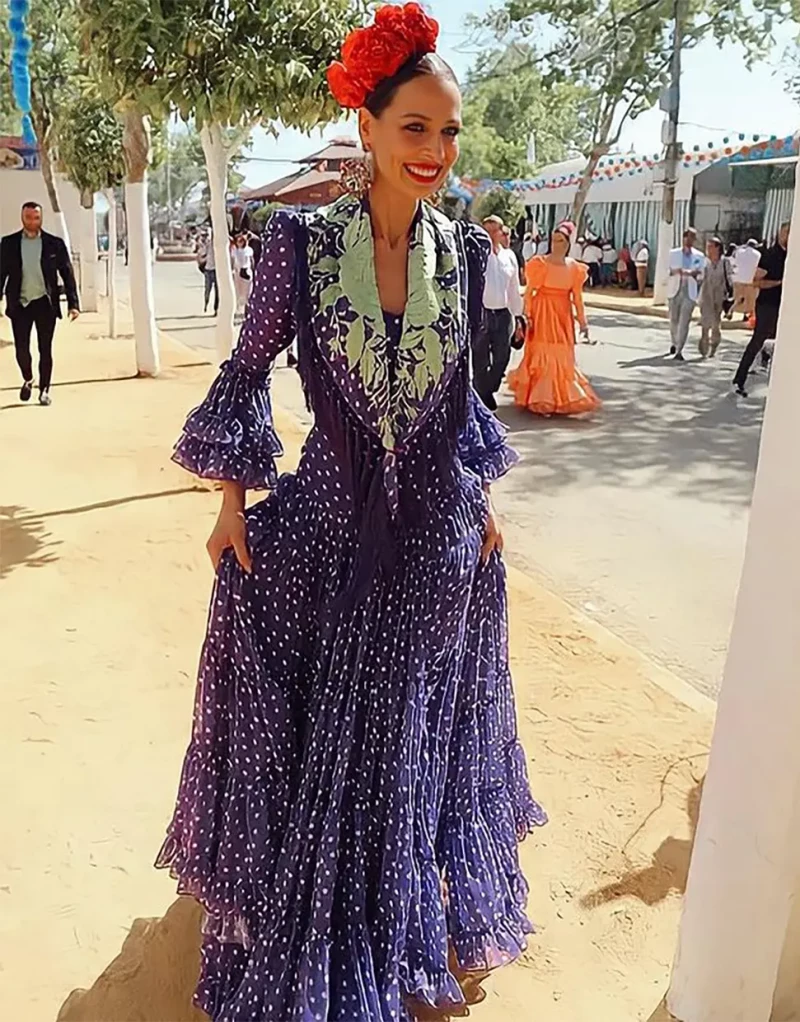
(354, 790)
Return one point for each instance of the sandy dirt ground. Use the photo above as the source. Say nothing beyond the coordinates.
(103, 601)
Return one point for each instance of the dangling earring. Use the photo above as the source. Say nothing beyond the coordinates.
(356, 175)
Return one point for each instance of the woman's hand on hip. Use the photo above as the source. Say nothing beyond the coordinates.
(492, 535)
(230, 530)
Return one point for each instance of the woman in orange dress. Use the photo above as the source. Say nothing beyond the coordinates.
(547, 381)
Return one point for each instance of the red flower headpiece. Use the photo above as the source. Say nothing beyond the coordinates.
(378, 51)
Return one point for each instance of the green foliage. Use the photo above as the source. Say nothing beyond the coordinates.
(498, 202)
(505, 103)
(263, 213)
(54, 62)
(619, 50)
(234, 63)
(90, 144)
(179, 152)
(10, 119)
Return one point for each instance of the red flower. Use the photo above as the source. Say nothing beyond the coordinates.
(371, 54)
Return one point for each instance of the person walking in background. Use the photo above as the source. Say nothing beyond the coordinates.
(243, 264)
(686, 265)
(254, 241)
(593, 257)
(622, 266)
(206, 260)
(542, 245)
(609, 267)
(502, 307)
(715, 291)
(768, 280)
(576, 249)
(547, 381)
(31, 261)
(642, 263)
(528, 247)
(745, 263)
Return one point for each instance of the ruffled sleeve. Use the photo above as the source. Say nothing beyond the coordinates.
(482, 446)
(230, 436)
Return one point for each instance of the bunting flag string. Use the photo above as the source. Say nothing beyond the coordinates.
(733, 149)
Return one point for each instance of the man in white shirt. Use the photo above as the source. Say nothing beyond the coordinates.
(576, 249)
(686, 266)
(593, 257)
(642, 263)
(502, 304)
(745, 264)
(609, 262)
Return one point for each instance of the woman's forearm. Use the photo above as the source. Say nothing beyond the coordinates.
(233, 495)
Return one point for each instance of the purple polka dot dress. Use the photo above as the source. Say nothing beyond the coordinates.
(354, 791)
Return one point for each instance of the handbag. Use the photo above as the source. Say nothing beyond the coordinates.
(518, 337)
(244, 274)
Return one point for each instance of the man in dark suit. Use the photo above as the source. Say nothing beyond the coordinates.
(31, 261)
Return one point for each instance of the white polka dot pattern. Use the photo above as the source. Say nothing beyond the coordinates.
(354, 790)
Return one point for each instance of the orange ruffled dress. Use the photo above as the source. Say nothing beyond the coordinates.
(547, 381)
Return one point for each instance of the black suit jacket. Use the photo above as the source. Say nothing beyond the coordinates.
(55, 263)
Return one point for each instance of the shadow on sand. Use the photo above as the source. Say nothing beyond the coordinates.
(24, 540)
(667, 872)
(153, 977)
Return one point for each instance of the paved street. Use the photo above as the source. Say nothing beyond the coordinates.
(638, 517)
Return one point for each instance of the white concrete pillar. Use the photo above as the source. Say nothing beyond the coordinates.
(745, 865)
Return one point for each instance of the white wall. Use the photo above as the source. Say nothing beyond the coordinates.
(18, 186)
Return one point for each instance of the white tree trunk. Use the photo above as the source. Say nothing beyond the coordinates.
(736, 948)
(136, 147)
(88, 255)
(140, 271)
(112, 262)
(217, 155)
(663, 247)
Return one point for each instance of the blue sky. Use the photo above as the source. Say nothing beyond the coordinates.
(719, 97)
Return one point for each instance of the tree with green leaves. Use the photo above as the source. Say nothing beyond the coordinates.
(506, 106)
(90, 154)
(498, 202)
(9, 114)
(181, 167)
(226, 67)
(619, 52)
(54, 60)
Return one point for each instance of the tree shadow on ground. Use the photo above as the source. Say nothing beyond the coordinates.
(671, 425)
(24, 540)
(667, 872)
(152, 979)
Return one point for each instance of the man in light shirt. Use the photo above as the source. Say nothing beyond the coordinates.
(593, 257)
(502, 309)
(31, 263)
(745, 263)
(609, 262)
(686, 266)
